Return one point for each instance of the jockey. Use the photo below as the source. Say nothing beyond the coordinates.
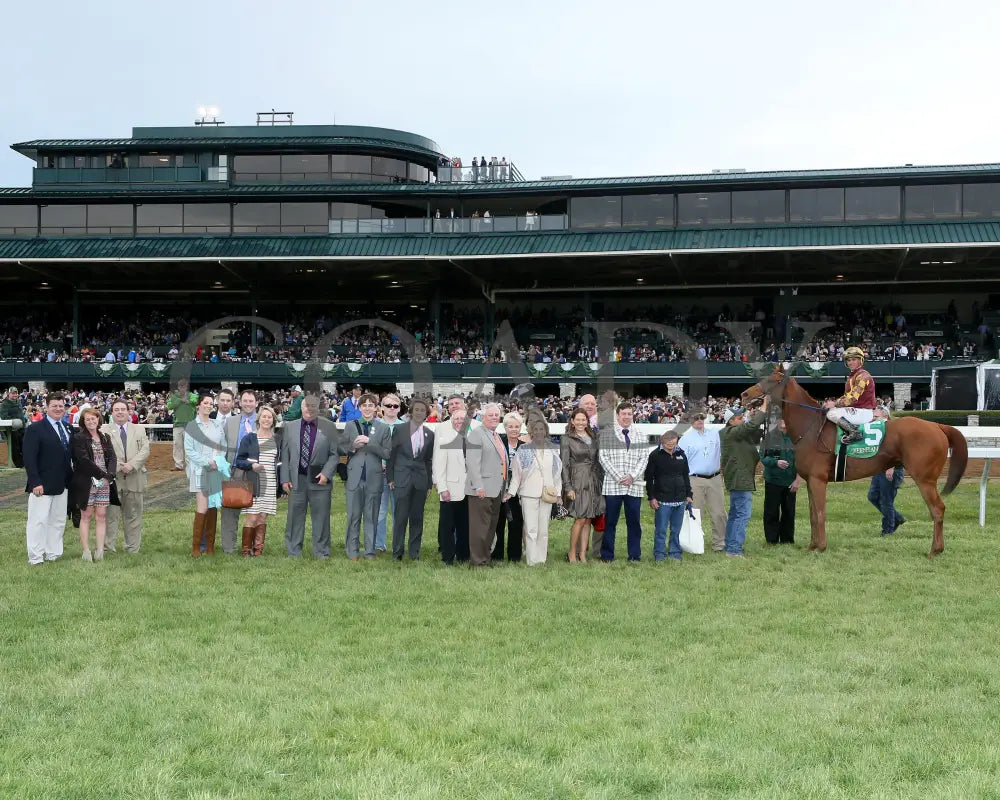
(857, 405)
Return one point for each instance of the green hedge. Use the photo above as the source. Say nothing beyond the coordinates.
(958, 418)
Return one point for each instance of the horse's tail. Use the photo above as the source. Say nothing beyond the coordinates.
(959, 457)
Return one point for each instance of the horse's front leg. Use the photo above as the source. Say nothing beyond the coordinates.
(817, 513)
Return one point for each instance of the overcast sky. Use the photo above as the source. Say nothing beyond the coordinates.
(561, 87)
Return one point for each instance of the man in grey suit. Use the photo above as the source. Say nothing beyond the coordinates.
(236, 426)
(308, 461)
(487, 468)
(365, 444)
(409, 474)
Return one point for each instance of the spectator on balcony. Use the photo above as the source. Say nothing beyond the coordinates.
(482, 168)
(503, 168)
(475, 169)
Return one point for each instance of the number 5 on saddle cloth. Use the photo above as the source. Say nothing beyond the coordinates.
(873, 433)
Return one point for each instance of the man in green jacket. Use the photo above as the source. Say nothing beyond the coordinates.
(295, 409)
(181, 404)
(781, 484)
(739, 463)
(11, 409)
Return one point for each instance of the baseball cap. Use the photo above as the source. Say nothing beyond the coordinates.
(733, 412)
(296, 388)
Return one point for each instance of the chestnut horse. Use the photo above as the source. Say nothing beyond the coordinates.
(921, 447)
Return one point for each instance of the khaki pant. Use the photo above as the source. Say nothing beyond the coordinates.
(709, 498)
(179, 448)
(130, 515)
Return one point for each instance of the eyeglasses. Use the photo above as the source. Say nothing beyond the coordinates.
(390, 405)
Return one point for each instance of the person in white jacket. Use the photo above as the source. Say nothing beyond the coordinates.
(448, 469)
(537, 481)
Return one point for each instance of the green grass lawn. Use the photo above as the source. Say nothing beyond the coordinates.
(868, 671)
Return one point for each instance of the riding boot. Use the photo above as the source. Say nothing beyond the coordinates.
(258, 538)
(199, 524)
(852, 433)
(248, 534)
(210, 519)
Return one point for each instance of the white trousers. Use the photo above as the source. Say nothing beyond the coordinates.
(856, 415)
(536, 529)
(46, 524)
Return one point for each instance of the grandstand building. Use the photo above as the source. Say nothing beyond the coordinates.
(345, 221)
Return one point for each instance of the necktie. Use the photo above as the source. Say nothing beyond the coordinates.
(364, 467)
(628, 442)
(62, 435)
(305, 450)
(124, 439)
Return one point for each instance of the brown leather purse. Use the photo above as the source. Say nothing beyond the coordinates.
(237, 494)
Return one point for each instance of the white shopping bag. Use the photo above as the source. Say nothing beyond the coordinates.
(692, 538)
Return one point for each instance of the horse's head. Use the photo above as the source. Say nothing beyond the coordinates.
(772, 385)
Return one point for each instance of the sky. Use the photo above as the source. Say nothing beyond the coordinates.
(581, 88)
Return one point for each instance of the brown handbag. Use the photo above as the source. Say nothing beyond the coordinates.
(237, 494)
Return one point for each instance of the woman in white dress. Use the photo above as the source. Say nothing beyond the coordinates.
(258, 454)
(203, 441)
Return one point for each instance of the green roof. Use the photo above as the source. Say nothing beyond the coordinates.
(693, 182)
(444, 246)
(273, 139)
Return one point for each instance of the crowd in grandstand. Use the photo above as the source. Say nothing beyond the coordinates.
(156, 335)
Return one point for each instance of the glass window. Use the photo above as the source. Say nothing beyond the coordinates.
(349, 164)
(305, 217)
(419, 173)
(351, 211)
(256, 217)
(871, 203)
(388, 166)
(159, 218)
(816, 205)
(756, 208)
(206, 218)
(703, 208)
(257, 168)
(934, 202)
(64, 220)
(648, 211)
(109, 218)
(21, 220)
(305, 168)
(980, 200)
(596, 212)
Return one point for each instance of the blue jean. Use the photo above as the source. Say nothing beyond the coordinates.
(674, 517)
(740, 504)
(612, 510)
(383, 514)
(882, 495)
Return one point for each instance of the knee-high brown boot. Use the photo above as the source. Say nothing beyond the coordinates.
(199, 524)
(248, 536)
(210, 518)
(258, 538)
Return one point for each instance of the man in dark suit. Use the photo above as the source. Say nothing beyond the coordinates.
(308, 461)
(409, 474)
(365, 444)
(48, 464)
(235, 426)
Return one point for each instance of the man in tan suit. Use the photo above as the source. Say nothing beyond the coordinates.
(450, 477)
(131, 452)
(486, 462)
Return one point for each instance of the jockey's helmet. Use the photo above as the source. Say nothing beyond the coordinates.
(854, 352)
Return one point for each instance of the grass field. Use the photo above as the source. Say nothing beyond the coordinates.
(868, 671)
